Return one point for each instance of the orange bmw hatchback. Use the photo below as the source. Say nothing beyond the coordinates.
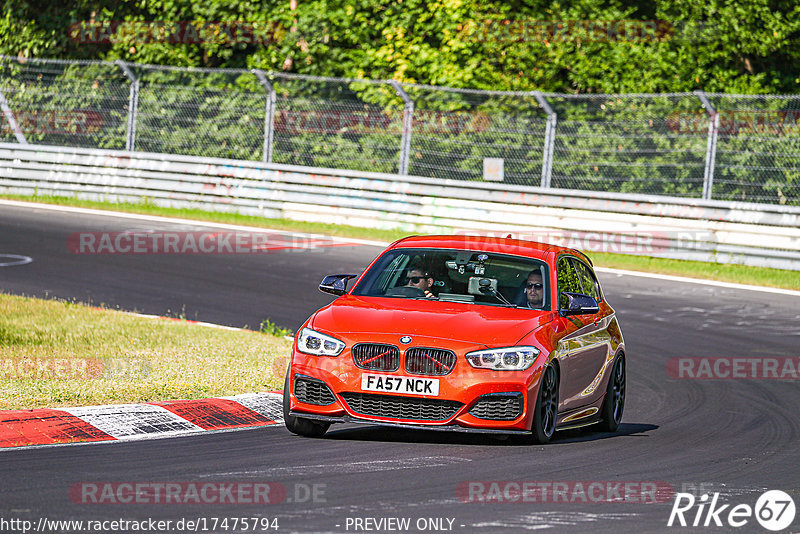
(461, 333)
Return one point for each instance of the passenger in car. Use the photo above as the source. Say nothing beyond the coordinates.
(534, 290)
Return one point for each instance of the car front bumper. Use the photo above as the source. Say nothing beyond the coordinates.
(468, 400)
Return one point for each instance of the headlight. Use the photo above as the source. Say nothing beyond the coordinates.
(312, 342)
(505, 359)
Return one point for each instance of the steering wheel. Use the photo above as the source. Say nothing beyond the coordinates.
(405, 291)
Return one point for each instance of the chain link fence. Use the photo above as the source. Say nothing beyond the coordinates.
(692, 145)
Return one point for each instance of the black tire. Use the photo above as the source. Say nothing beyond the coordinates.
(545, 413)
(300, 425)
(614, 403)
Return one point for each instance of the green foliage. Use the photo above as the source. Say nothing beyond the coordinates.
(24, 38)
(272, 329)
(738, 47)
(581, 48)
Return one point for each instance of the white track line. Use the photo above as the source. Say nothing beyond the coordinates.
(683, 279)
(154, 218)
(198, 323)
(173, 220)
(15, 260)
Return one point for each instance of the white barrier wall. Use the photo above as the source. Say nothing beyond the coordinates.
(751, 234)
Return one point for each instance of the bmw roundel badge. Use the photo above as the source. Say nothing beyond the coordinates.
(405, 340)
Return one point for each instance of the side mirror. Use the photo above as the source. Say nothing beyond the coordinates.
(335, 284)
(579, 304)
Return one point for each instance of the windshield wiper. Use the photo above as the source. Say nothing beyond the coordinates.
(499, 296)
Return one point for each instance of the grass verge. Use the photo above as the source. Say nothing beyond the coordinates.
(741, 274)
(56, 353)
(723, 272)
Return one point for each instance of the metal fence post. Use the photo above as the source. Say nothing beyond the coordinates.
(549, 139)
(408, 124)
(269, 115)
(711, 145)
(133, 105)
(12, 121)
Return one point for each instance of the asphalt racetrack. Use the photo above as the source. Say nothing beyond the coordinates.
(733, 437)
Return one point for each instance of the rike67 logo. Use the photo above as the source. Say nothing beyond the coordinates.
(774, 510)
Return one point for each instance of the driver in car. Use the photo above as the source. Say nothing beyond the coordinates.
(420, 279)
(534, 290)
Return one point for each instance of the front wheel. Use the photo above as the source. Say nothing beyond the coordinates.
(300, 425)
(614, 402)
(544, 415)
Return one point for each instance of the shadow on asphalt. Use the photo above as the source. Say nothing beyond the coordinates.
(625, 429)
(398, 435)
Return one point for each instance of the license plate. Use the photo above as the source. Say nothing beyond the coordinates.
(400, 384)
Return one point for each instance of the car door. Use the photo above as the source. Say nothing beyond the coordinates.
(586, 347)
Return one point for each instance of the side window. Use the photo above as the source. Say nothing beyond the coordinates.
(390, 276)
(588, 280)
(568, 280)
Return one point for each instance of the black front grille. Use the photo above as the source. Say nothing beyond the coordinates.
(401, 407)
(498, 407)
(376, 357)
(313, 392)
(425, 361)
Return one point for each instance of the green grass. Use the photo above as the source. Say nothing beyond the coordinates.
(693, 269)
(723, 272)
(56, 353)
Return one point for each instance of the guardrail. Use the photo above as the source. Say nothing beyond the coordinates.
(711, 146)
(726, 232)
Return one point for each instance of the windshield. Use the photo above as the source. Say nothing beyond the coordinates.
(458, 276)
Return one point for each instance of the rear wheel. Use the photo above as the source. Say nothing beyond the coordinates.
(614, 402)
(544, 415)
(300, 425)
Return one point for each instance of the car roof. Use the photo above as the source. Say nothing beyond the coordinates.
(504, 245)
